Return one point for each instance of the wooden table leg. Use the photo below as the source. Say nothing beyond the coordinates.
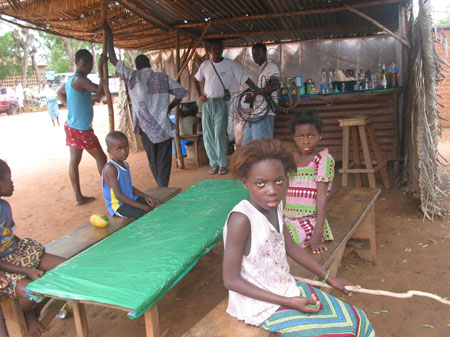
(356, 156)
(14, 318)
(363, 239)
(79, 314)
(152, 321)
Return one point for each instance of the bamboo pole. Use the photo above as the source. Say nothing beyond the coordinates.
(379, 25)
(105, 72)
(188, 58)
(179, 153)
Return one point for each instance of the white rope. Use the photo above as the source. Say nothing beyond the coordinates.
(358, 289)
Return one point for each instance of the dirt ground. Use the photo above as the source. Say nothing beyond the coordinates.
(411, 253)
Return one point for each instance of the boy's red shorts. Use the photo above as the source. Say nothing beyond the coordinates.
(81, 139)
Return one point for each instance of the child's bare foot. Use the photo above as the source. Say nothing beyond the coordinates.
(84, 200)
(35, 328)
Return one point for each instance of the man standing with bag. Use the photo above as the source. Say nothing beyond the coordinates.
(218, 73)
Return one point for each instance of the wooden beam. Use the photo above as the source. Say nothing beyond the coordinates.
(379, 25)
(151, 318)
(145, 15)
(284, 32)
(287, 14)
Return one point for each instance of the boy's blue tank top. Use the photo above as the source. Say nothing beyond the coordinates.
(79, 105)
(125, 184)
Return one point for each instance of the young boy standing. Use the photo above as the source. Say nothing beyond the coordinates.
(121, 197)
(76, 95)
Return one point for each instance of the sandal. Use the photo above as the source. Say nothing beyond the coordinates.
(214, 170)
(223, 170)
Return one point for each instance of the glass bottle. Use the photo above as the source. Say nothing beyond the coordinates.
(383, 77)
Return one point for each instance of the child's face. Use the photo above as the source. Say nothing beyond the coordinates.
(306, 137)
(6, 185)
(118, 149)
(267, 183)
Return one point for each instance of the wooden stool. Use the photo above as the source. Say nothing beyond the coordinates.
(193, 138)
(361, 124)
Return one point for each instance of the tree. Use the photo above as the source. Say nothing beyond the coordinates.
(23, 40)
(9, 65)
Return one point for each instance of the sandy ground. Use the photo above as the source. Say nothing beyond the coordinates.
(411, 253)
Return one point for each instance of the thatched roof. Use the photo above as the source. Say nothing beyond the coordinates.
(153, 25)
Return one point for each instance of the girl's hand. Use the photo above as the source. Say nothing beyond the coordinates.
(339, 284)
(302, 304)
(33, 273)
(316, 244)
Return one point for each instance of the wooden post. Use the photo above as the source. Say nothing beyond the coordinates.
(105, 72)
(178, 152)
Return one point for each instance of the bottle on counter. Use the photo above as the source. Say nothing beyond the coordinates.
(323, 79)
(393, 78)
(383, 77)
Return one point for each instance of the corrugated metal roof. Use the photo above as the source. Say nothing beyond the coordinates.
(153, 25)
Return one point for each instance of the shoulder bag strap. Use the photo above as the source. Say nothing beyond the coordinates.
(220, 78)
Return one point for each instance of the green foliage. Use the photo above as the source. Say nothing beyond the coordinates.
(444, 21)
(57, 58)
(9, 64)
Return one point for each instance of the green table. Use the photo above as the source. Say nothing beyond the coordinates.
(136, 266)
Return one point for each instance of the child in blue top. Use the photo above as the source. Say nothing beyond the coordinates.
(121, 197)
(21, 260)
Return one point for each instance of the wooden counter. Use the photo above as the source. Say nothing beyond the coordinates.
(383, 104)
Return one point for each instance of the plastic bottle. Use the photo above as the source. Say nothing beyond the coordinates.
(383, 77)
(324, 76)
(393, 83)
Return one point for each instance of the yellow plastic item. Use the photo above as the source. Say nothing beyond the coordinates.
(100, 221)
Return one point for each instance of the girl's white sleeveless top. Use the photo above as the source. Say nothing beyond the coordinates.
(265, 266)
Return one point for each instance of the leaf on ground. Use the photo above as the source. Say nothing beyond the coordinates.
(382, 280)
(384, 310)
(404, 261)
(383, 245)
(425, 246)
(427, 326)
(376, 312)
(418, 229)
(353, 266)
(342, 298)
(407, 250)
(448, 325)
(431, 239)
(397, 233)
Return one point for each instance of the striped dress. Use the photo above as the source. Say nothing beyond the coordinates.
(300, 212)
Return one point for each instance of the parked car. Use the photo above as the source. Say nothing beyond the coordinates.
(8, 101)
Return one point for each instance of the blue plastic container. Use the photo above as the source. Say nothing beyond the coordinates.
(183, 142)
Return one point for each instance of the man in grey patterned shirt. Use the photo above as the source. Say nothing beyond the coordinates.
(149, 92)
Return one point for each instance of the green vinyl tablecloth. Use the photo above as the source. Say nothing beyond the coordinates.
(136, 266)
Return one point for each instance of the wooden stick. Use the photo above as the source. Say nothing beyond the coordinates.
(105, 72)
(358, 289)
(376, 23)
(193, 49)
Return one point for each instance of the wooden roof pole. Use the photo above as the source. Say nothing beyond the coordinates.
(379, 25)
(179, 153)
(188, 58)
(105, 71)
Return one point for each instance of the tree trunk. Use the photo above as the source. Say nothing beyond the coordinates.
(33, 52)
(66, 42)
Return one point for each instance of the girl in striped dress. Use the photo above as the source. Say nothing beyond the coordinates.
(309, 184)
(262, 292)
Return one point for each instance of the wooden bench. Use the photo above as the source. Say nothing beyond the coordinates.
(68, 246)
(351, 214)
